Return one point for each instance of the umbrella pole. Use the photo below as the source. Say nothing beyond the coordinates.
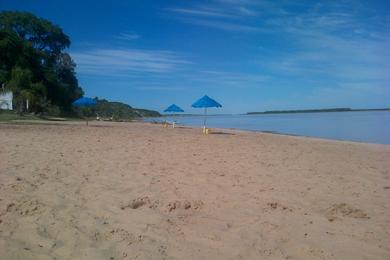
(204, 121)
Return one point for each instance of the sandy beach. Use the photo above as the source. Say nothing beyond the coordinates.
(140, 191)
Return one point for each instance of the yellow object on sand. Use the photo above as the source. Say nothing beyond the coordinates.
(206, 131)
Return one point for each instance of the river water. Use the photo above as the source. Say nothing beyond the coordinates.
(365, 126)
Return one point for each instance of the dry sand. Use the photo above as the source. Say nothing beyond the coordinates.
(140, 191)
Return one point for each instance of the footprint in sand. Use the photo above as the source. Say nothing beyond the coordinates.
(275, 205)
(117, 234)
(186, 205)
(171, 206)
(26, 208)
(344, 210)
(136, 203)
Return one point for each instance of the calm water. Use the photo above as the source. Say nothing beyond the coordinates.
(371, 127)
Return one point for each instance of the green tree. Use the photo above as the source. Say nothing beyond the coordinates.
(43, 35)
(68, 90)
(19, 84)
(33, 65)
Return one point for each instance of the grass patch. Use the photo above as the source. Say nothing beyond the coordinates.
(9, 115)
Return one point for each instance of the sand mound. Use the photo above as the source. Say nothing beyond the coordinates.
(345, 210)
(157, 204)
(26, 208)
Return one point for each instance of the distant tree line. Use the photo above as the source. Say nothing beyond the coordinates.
(341, 109)
(34, 64)
(115, 111)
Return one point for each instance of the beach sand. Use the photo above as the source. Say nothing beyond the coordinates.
(141, 191)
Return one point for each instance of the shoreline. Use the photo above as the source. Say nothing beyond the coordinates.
(141, 121)
(270, 132)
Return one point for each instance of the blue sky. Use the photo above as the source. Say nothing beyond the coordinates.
(249, 55)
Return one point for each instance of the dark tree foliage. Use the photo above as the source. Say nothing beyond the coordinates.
(121, 111)
(116, 111)
(33, 64)
(42, 34)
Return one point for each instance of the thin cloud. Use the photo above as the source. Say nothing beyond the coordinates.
(227, 26)
(128, 36)
(226, 16)
(247, 11)
(119, 62)
(236, 2)
(232, 79)
(200, 12)
(330, 47)
(148, 87)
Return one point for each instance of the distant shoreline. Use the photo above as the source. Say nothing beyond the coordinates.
(327, 110)
(330, 110)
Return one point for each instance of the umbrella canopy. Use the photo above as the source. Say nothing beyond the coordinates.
(173, 108)
(84, 101)
(205, 102)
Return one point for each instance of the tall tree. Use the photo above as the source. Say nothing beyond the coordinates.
(33, 64)
(19, 84)
(44, 35)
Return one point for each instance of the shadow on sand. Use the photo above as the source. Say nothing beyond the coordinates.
(221, 133)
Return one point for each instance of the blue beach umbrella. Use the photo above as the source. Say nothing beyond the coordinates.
(206, 102)
(85, 102)
(174, 109)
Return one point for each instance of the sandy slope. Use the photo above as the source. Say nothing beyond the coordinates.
(138, 191)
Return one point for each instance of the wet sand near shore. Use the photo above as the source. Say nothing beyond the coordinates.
(141, 191)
